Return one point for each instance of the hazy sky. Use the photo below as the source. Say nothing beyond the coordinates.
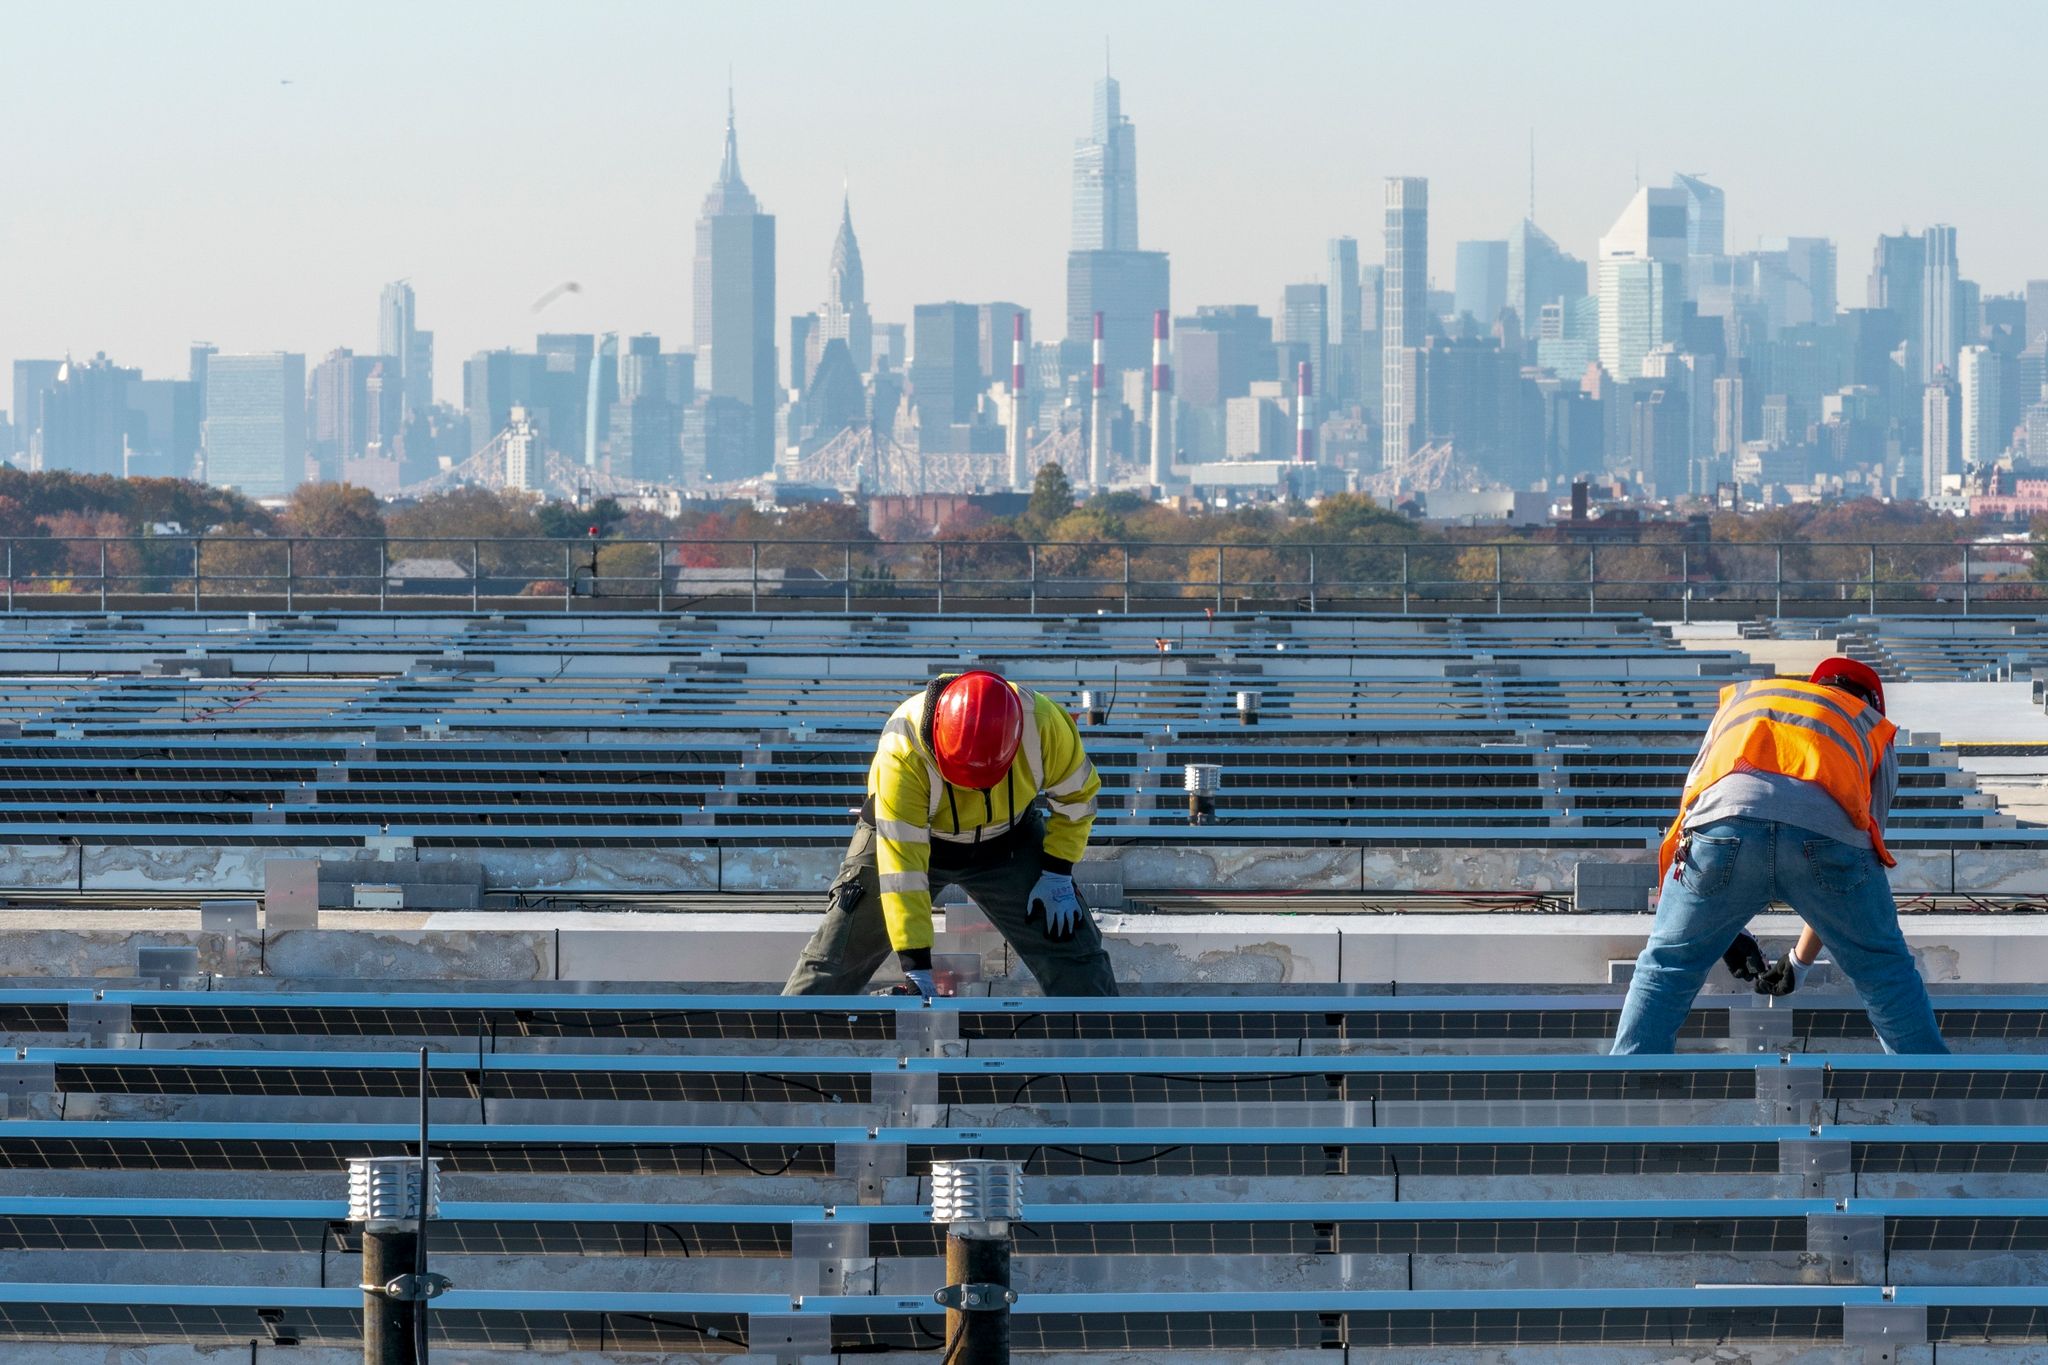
(162, 182)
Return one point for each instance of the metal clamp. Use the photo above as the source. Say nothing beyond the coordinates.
(412, 1288)
(975, 1298)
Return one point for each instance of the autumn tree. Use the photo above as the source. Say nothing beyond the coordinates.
(338, 537)
(445, 525)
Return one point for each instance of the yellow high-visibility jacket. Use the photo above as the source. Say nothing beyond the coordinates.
(1799, 729)
(913, 805)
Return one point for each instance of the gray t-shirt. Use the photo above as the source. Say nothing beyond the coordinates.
(1790, 801)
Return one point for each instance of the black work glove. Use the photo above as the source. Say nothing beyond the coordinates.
(1784, 976)
(1745, 958)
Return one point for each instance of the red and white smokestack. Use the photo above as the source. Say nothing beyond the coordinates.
(1098, 442)
(1304, 434)
(1020, 478)
(1162, 404)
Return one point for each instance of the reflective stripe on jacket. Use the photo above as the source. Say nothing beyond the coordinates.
(913, 805)
(1796, 729)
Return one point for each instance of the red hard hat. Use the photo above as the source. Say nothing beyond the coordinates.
(976, 725)
(1852, 671)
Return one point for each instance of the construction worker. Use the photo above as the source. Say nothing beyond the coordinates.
(950, 801)
(1787, 800)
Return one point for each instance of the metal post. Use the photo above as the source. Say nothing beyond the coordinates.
(103, 578)
(1127, 580)
(1311, 579)
(754, 576)
(197, 563)
(1032, 548)
(1781, 580)
(10, 575)
(1592, 578)
(939, 580)
(1873, 578)
(569, 575)
(383, 571)
(846, 577)
(384, 1198)
(1219, 580)
(977, 1201)
(1496, 581)
(290, 568)
(1966, 578)
(1685, 584)
(472, 576)
(1404, 580)
(391, 1198)
(660, 576)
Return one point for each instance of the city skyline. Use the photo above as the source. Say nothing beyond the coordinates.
(624, 154)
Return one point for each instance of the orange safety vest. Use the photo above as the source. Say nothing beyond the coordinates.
(1797, 729)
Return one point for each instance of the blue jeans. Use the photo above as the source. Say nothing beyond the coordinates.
(1729, 871)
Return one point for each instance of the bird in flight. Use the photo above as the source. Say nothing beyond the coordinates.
(566, 287)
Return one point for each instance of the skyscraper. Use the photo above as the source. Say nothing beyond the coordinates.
(1897, 285)
(845, 314)
(346, 413)
(1642, 303)
(256, 422)
(1538, 273)
(1706, 229)
(1404, 296)
(84, 418)
(1106, 176)
(408, 348)
(2037, 312)
(734, 304)
(945, 367)
(1126, 288)
(1984, 432)
(1941, 433)
(1940, 328)
(1304, 329)
(1347, 326)
(33, 379)
(1482, 281)
(1106, 272)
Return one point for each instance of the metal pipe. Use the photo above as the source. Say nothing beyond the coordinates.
(384, 1197)
(1201, 782)
(290, 569)
(976, 1202)
(1093, 710)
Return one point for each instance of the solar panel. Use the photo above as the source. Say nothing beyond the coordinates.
(1816, 1020)
(1034, 1080)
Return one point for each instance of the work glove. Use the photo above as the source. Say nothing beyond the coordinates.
(920, 979)
(1785, 976)
(1745, 958)
(1054, 897)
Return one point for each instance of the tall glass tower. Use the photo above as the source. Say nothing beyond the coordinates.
(1106, 176)
(734, 307)
(1404, 295)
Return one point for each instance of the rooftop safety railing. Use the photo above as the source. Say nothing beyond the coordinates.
(1734, 580)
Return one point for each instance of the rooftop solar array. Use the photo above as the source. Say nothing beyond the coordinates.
(1430, 1196)
(1946, 649)
(640, 1170)
(325, 733)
